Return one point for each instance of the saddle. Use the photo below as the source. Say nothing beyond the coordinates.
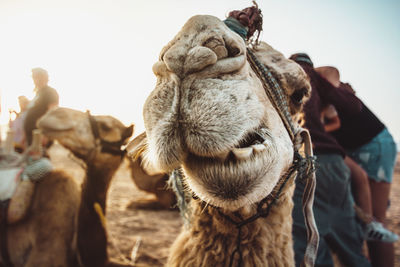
(18, 174)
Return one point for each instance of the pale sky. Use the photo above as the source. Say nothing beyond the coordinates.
(99, 53)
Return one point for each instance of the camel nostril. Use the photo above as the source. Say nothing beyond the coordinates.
(233, 51)
(216, 45)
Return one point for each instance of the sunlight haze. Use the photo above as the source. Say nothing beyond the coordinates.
(99, 54)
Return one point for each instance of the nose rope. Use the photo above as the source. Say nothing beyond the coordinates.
(274, 92)
(278, 98)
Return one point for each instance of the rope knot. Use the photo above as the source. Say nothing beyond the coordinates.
(305, 165)
(246, 22)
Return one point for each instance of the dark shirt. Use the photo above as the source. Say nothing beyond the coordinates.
(357, 128)
(45, 96)
(322, 94)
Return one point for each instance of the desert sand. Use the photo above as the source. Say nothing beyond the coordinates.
(146, 235)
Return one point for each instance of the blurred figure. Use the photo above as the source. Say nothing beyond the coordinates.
(45, 98)
(17, 124)
(368, 142)
(333, 205)
(375, 231)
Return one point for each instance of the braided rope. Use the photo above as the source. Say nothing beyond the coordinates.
(274, 91)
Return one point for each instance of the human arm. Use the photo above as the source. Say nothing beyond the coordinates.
(332, 125)
(330, 118)
(342, 98)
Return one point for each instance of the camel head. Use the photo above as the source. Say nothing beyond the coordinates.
(210, 115)
(73, 129)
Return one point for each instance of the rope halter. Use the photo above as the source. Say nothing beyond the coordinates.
(113, 148)
(304, 166)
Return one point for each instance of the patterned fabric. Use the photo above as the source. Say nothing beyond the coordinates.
(37, 169)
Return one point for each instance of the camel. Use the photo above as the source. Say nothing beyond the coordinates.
(62, 227)
(153, 183)
(209, 115)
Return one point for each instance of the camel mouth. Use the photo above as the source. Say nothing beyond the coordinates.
(252, 144)
(237, 177)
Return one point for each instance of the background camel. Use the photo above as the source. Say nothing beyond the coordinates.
(62, 219)
(210, 115)
(153, 183)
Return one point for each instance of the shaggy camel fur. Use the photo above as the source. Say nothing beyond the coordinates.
(62, 227)
(210, 115)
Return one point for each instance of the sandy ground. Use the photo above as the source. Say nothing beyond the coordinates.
(150, 233)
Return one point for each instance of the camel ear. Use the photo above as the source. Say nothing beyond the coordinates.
(128, 132)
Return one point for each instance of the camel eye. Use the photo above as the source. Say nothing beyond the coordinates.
(298, 96)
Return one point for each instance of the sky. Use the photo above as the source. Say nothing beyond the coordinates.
(99, 53)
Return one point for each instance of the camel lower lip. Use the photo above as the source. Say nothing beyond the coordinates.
(241, 153)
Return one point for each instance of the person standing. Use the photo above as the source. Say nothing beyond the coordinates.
(369, 143)
(46, 97)
(333, 205)
(349, 135)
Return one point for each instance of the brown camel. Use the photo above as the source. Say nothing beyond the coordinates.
(209, 114)
(153, 183)
(62, 227)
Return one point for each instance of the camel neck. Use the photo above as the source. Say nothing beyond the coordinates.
(92, 236)
(211, 237)
(95, 184)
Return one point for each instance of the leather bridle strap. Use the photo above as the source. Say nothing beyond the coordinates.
(307, 204)
(278, 100)
(273, 91)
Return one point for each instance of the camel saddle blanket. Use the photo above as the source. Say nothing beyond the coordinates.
(17, 185)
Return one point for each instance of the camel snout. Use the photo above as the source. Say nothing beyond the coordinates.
(198, 58)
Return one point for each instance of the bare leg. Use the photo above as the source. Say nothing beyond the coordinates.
(381, 254)
(361, 188)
